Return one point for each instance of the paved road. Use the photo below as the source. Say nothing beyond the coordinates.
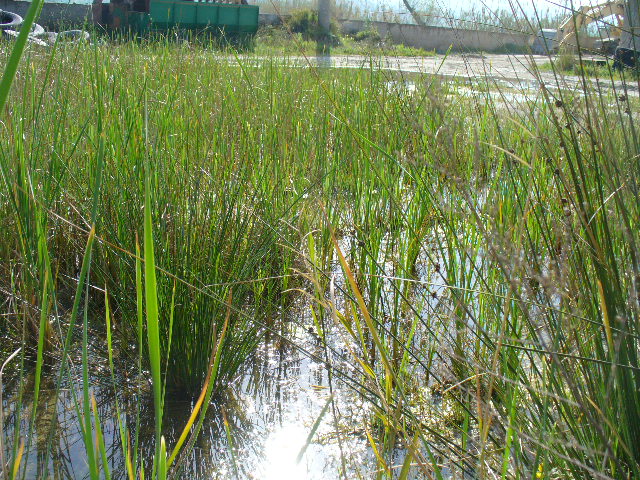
(516, 70)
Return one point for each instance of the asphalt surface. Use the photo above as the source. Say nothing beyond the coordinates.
(514, 70)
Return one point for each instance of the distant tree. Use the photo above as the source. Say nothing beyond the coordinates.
(416, 16)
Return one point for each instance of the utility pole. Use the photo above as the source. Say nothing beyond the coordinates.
(324, 41)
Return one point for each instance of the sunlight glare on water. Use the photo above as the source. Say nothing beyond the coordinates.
(281, 452)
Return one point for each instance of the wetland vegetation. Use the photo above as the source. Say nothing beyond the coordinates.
(461, 270)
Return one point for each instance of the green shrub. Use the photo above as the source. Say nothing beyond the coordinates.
(370, 35)
(305, 22)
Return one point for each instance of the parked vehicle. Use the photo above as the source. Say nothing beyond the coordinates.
(580, 19)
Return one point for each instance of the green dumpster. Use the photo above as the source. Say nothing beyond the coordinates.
(233, 20)
(228, 18)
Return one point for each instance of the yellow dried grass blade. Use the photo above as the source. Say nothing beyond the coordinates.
(128, 460)
(16, 463)
(374, 447)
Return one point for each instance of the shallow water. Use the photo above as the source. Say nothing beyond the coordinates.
(270, 412)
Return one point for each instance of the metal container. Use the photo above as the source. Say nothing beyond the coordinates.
(228, 18)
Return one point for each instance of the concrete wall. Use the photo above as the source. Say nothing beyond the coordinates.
(439, 38)
(431, 38)
(53, 14)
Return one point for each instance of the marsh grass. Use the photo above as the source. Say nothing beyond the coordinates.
(478, 258)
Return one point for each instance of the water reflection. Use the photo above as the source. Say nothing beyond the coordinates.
(270, 412)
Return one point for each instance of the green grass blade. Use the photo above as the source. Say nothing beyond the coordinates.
(90, 447)
(200, 408)
(153, 320)
(44, 322)
(162, 460)
(100, 445)
(16, 52)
